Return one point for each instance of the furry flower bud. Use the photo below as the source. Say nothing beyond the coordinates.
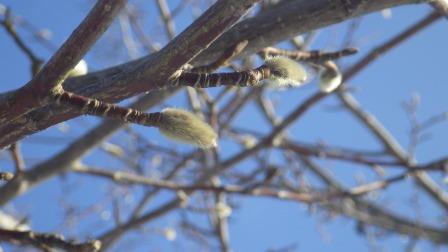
(184, 126)
(330, 77)
(80, 69)
(285, 72)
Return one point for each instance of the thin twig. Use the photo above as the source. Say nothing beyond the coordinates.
(224, 59)
(7, 23)
(17, 157)
(390, 44)
(164, 11)
(308, 56)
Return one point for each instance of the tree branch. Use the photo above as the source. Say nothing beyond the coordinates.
(34, 93)
(47, 241)
(193, 40)
(279, 23)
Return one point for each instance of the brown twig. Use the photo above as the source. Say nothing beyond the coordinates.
(323, 152)
(7, 23)
(164, 11)
(224, 59)
(390, 44)
(128, 178)
(221, 224)
(74, 151)
(391, 144)
(369, 213)
(17, 157)
(315, 56)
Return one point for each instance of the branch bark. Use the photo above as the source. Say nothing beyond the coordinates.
(285, 20)
(186, 46)
(34, 93)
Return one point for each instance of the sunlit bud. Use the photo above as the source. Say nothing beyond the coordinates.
(330, 77)
(80, 69)
(386, 13)
(278, 140)
(223, 210)
(6, 176)
(170, 234)
(184, 126)
(299, 40)
(183, 197)
(285, 72)
(10, 222)
(249, 141)
(96, 245)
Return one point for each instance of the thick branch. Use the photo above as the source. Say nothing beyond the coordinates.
(120, 82)
(202, 32)
(47, 241)
(54, 72)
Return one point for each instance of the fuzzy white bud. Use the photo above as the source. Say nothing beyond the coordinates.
(223, 210)
(330, 77)
(80, 69)
(285, 72)
(184, 126)
(170, 234)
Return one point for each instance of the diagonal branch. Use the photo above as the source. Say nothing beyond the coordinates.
(76, 150)
(282, 21)
(422, 178)
(369, 213)
(34, 93)
(182, 49)
(391, 144)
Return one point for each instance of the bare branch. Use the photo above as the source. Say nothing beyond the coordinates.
(47, 241)
(166, 17)
(8, 24)
(17, 157)
(390, 44)
(441, 6)
(54, 72)
(280, 22)
(216, 19)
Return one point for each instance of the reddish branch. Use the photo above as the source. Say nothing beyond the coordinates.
(309, 56)
(145, 74)
(178, 52)
(35, 92)
(17, 157)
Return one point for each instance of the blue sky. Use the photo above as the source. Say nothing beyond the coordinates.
(416, 67)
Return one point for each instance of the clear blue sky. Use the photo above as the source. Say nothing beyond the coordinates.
(416, 67)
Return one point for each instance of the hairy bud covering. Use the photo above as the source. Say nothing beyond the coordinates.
(330, 78)
(184, 126)
(80, 69)
(285, 72)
